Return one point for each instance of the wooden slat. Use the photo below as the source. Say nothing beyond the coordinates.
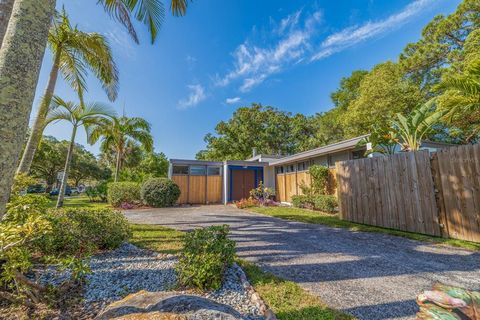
(214, 189)
(182, 182)
(196, 190)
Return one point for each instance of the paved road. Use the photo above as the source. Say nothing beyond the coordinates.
(369, 275)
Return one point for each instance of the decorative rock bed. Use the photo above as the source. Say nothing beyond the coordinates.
(129, 269)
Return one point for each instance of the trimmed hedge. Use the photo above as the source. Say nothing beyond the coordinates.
(160, 192)
(321, 202)
(123, 192)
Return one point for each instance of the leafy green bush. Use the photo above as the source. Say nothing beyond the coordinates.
(206, 255)
(319, 202)
(319, 176)
(160, 192)
(123, 192)
(32, 234)
(86, 229)
(325, 203)
(98, 192)
(302, 201)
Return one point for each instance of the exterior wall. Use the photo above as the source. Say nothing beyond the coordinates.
(289, 184)
(198, 189)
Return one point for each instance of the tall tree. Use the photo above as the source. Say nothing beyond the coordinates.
(382, 93)
(116, 132)
(49, 160)
(441, 45)
(78, 115)
(21, 56)
(74, 51)
(265, 128)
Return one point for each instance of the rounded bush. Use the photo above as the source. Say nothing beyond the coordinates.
(123, 192)
(160, 192)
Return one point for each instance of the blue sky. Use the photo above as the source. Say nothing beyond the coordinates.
(226, 54)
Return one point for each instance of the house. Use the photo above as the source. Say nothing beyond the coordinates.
(209, 182)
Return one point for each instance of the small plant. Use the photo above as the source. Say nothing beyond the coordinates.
(160, 192)
(207, 254)
(247, 203)
(262, 194)
(119, 192)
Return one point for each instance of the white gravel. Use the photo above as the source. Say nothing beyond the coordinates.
(129, 269)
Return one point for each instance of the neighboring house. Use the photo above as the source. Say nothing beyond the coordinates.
(207, 182)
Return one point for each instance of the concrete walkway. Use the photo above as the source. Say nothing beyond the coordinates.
(370, 275)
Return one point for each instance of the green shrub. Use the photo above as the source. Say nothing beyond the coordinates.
(319, 176)
(85, 228)
(302, 201)
(325, 203)
(32, 234)
(160, 192)
(123, 192)
(98, 192)
(206, 255)
(319, 202)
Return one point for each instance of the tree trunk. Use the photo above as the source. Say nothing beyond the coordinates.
(63, 185)
(117, 166)
(39, 124)
(21, 56)
(5, 12)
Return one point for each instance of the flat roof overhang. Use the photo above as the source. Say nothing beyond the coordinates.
(350, 144)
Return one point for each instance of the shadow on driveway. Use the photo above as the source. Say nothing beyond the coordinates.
(369, 275)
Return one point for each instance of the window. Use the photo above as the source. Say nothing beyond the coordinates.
(197, 170)
(180, 169)
(213, 171)
(290, 168)
(279, 170)
(303, 166)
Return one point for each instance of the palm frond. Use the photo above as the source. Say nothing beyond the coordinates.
(120, 11)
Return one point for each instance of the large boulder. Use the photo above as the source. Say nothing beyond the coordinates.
(167, 305)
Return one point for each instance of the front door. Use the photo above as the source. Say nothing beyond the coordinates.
(242, 182)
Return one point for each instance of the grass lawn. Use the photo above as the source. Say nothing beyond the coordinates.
(79, 201)
(156, 238)
(317, 217)
(286, 299)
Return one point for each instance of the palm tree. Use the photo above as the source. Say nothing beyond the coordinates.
(116, 133)
(461, 99)
(78, 115)
(21, 56)
(413, 128)
(74, 51)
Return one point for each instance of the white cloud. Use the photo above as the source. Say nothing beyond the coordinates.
(254, 64)
(351, 36)
(232, 100)
(197, 95)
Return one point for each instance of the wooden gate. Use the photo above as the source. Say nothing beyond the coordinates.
(393, 192)
(457, 178)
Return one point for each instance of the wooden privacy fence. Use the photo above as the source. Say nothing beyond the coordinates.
(438, 195)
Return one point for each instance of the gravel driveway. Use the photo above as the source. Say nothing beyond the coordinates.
(372, 276)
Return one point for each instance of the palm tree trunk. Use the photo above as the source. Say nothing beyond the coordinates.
(21, 56)
(63, 185)
(117, 166)
(5, 12)
(39, 124)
